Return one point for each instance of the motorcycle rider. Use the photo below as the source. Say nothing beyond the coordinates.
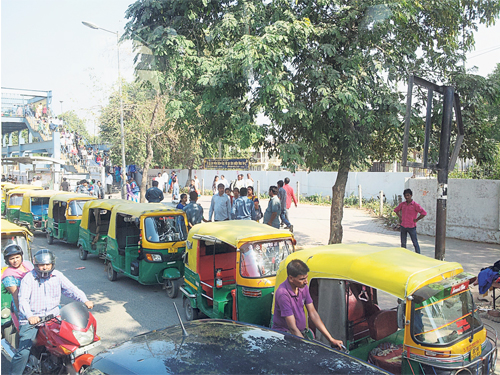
(40, 295)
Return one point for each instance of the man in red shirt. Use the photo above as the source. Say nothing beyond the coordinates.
(409, 212)
(290, 195)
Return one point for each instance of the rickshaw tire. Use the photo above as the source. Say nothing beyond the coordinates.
(191, 312)
(172, 288)
(83, 253)
(112, 275)
(50, 239)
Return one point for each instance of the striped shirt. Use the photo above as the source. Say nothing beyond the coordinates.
(41, 297)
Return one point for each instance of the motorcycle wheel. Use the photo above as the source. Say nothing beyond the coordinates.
(172, 287)
(83, 253)
(191, 313)
(112, 275)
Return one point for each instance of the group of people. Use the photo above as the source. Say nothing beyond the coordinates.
(10, 178)
(239, 182)
(91, 187)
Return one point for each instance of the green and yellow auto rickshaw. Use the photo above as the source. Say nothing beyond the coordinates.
(65, 214)
(146, 242)
(404, 312)
(14, 201)
(12, 234)
(35, 209)
(6, 186)
(230, 270)
(94, 226)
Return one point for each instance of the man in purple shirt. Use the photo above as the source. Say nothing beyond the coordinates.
(39, 296)
(290, 298)
(409, 213)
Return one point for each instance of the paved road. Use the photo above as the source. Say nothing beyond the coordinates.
(125, 308)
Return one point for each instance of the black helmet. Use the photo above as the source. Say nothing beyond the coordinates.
(12, 249)
(44, 256)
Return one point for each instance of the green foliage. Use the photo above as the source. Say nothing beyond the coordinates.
(73, 123)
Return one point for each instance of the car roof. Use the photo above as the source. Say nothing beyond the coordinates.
(225, 347)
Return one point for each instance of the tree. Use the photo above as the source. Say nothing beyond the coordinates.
(73, 123)
(326, 72)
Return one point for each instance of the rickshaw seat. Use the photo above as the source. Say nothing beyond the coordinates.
(383, 324)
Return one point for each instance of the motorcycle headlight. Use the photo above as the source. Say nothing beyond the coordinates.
(84, 338)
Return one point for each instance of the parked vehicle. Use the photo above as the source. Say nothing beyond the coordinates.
(12, 234)
(6, 187)
(65, 214)
(224, 347)
(62, 342)
(230, 270)
(432, 328)
(35, 209)
(146, 242)
(93, 232)
(13, 202)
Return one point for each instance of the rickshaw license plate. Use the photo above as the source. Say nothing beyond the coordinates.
(475, 352)
(172, 250)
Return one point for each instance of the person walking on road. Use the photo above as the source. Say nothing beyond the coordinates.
(409, 213)
(194, 211)
(282, 197)
(109, 182)
(243, 208)
(290, 196)
(220, 207)
(154, 194)
(271, 216)
(65, 184)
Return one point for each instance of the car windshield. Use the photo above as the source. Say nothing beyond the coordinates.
(16, 200)
(160, 229)
(76, 208)
(262, 259)
(445, 317)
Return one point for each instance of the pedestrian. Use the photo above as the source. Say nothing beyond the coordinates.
(100, 190)
(220, 207)
(197, 184)
(409, 213)
(240, 182)
(271, 216)
(194, 211)
(243, 208)
(65, 184)
(134, 188)
(175, 190)
(290, 196)
(118, 178)
(258, 210)
(282, 197)
(154, 194)
(159, 179)
(227, 191)
(224, 181)
(130, 195)
(83, 188)
(215, 185)
(182, 202)
(192, 186)
(164, 177)
(290, 298)
(109, 183)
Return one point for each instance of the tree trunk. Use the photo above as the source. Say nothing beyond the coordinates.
(147, 163)
(338, 193)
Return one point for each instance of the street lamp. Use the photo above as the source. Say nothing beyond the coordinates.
(60, 101)
(95, 27)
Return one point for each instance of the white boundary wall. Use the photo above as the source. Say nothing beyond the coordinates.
(473, 208)
(309, 183)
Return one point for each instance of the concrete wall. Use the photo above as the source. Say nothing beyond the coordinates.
(473, 208)
(309, 183)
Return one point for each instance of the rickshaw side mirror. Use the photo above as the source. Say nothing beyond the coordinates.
(401, 313)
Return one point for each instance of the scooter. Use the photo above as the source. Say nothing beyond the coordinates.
(62, 342)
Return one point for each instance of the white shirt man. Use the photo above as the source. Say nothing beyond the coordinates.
(224, 181)
(249, 181)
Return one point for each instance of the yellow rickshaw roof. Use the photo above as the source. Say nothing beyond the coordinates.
(26, 205)
(234, 232)
(394, 270)
(140, 209)
(105, 204)
(23, 190)
(11, 228)
(8, 185)
(67, 196)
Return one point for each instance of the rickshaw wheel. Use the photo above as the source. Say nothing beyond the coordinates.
(172, 287)
(83, 253)
(191, 313)
(50, 239)
(111, 272)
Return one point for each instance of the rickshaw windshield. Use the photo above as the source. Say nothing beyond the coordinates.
(39, 206)
(262, 259)
(161, 229)
(15, 200)
(15, 239)
(444, 318)
(76, 208)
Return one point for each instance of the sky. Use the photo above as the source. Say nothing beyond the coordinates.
(45, 46)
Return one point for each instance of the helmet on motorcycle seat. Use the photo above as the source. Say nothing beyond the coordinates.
(44, 256)
(12, 249)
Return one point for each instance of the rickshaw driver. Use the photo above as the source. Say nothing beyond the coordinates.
(290, 298)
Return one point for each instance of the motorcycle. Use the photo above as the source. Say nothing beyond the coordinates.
(62, 342)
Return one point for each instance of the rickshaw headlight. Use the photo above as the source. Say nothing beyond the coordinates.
(154, 257)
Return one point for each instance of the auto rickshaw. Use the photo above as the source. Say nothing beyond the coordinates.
(94, 226)
(146, 242)
(12, 234)
(14, 200)
(65, 214)
(431, 327)
(230, 270)
(35, 209)
(6, 186)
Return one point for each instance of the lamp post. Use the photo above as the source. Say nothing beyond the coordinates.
(60, 101)
(95, 27)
